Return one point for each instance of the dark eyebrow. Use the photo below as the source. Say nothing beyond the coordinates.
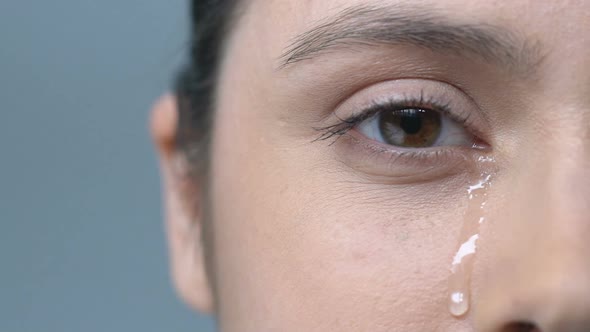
(403, 25)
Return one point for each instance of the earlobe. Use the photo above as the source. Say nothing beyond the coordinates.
(183, 213)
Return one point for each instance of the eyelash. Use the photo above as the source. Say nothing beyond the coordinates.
(345, 125)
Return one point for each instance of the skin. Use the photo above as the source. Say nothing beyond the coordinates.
(329, 236)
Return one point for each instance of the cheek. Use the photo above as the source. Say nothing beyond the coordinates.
(302, 243)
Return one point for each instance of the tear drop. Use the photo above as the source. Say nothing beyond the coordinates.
(459, 297)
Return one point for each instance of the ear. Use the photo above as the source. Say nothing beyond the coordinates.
(183, 211)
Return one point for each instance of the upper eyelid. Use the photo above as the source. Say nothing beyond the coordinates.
(435, 94)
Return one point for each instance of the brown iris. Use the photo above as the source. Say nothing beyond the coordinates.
(411, 128)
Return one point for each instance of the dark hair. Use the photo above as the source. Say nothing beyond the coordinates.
(196, 83)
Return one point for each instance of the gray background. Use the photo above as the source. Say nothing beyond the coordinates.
(81, 238)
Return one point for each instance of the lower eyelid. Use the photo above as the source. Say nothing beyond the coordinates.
(398, 166)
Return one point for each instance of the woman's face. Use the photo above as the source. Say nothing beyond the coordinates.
(401, 166)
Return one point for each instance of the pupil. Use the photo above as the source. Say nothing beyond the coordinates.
(411, 122)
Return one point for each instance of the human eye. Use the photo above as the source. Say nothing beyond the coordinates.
(407, 128)
(414, 127)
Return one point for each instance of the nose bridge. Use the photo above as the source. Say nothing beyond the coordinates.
(549, 195)
(564, 178)
(538, 266)
(558, 185)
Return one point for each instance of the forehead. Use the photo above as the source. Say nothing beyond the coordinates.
(310, 10)
(276, 23)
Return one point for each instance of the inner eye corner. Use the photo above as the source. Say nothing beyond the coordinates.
(521, 327)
